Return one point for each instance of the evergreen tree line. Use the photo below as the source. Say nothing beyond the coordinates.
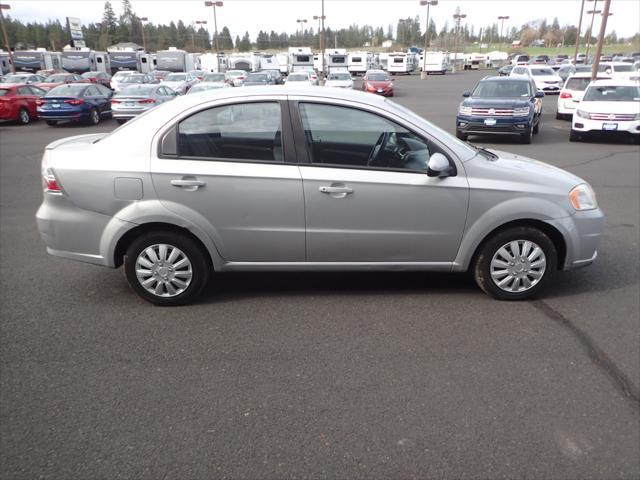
(128, 27)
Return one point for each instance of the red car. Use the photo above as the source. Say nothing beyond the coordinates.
(18, 102)
(97, 77)
(57, 79)
(378, 81)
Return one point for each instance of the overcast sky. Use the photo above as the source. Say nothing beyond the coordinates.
(281, 15)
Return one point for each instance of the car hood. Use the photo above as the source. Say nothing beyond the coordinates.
(385, 84)
(610, 107)
(250, 83)
(523, 174)
(547, 78)
(338, 83)
(498, 102)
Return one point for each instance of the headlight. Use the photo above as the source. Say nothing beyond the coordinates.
(582, 114)
(463, 110)
(521, 111)
(391, 85)
(583, 197)
(368, 85)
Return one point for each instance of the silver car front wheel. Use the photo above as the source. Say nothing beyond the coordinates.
(518, 266)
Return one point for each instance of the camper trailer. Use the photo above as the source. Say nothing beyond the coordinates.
(474, 61)
(248, 62)
(85, 60)
(401, 62)
(434, 62)
(383, 59)
(34, 60)
(269, 62)
(283, 62)
(300, 57)
(336, 60)
(359, 62)
(125, 60)
(213, 62)
(175, 60)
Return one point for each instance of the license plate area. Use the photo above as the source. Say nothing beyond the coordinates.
(609, 126)
(490, 122)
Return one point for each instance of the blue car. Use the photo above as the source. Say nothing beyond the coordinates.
(501, 106)
(77, 102)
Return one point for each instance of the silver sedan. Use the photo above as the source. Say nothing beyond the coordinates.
(315, 179)
(136, 99)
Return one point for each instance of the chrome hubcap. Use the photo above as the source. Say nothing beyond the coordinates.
(164, 270)
(518, 266)
(24, 116)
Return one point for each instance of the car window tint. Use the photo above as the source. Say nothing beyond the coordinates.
(351, 137)
(24, 91)
(247, 131)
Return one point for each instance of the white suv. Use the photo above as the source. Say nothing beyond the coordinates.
(544, 77)
(572, 93)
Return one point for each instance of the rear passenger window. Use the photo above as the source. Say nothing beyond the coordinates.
(24, 91)
(246, 131)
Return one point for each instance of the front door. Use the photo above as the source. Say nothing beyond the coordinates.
(367, 195)
(226, 166)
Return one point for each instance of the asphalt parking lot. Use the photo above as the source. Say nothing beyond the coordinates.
(299, 375)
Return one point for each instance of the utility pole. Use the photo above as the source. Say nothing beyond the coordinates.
(603, 29)
(215, 21)
(458, 17)
(144, 41)
(320, 19)
(575, 55)
(593, 15)
(428, 3)
(4, 6)
(502, 18)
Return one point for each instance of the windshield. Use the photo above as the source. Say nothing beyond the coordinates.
(612, 93)
(16, 78)
(536, 72)
(55, 79)
(137, 90)
(378, 77)
(68, 90)
(175, 77)
(339, 76)
(132, 79)
(495, 89)
(215, 77)
(257, 78)
(297, 78)
(235, 73)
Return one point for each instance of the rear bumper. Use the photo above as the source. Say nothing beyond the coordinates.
(62, 115)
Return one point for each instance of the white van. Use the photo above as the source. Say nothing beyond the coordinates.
(435, 62)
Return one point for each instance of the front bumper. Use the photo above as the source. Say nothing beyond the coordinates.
(582, 232)
(585, 125)
(503, 126)
(385, 92)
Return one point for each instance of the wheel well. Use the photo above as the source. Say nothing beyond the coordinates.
(552, 232)
(131, 235)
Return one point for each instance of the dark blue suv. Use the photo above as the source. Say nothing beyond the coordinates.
(501, 105)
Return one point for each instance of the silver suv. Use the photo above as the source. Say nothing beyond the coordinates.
(315, 179)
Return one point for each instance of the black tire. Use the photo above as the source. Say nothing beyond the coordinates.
(481, 267)
(121, 121)
(94, 117)
(462, 136)
(23, 116)
(199, 259)
(559, 116)
(51, 123)
(527, 138)
(574, 136)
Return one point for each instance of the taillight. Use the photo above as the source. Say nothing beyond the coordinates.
(49, 181)
(75, 101)
(113, 100)
(147, 100)
(565, 95)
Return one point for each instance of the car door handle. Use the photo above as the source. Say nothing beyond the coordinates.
(345, 190)
(188, 184)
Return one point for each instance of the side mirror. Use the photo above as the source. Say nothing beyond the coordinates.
(438, 166)
(539, 94)
(466, 94)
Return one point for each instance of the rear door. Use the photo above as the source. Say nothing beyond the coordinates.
(230, 169)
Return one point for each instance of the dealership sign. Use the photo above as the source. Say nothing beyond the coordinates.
(75, 31)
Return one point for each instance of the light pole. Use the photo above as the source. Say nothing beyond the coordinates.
(603, 28)
(201, 22)
(593, 15)
(428, 3)
(4, 6)
(300, 21)
(458, 17)
(575, 55)
(502, 18)
(144, 41)
(215, 20)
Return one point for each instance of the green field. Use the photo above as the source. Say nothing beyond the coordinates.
(566, 50)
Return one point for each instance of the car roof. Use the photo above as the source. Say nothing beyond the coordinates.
(505, 79)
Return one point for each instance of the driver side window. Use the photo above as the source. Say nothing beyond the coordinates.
(344, 136)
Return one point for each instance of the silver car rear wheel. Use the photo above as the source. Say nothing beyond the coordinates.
(518, 266)
(163, 270)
